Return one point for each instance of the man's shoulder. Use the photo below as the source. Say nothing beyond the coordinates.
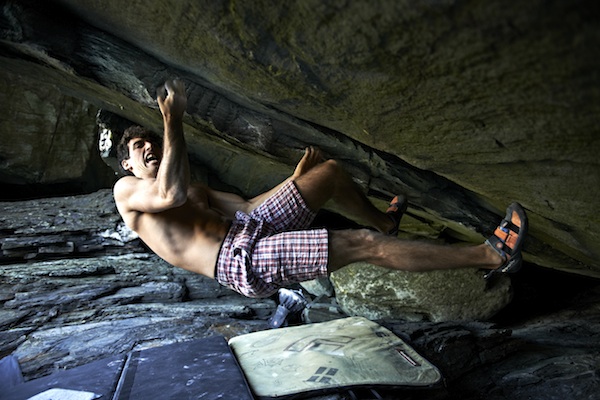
(121, 184)
(125, 182)
(124, 188)
(123, 191)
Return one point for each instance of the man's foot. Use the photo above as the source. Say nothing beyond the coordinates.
(312, 156)
(290, 302)
(508, 239)
(395, 211)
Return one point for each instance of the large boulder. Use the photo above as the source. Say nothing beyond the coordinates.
(379, 294)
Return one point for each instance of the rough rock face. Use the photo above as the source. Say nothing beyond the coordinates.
(68, 124)
(464, 106)
(48, 138)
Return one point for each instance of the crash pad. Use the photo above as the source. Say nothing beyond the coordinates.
(330, 356)
(199, 369)
(98, 377)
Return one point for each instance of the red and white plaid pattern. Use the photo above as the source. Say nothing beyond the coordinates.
(268, 249)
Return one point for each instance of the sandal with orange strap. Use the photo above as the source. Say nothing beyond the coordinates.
(395, 211)
(508, 239)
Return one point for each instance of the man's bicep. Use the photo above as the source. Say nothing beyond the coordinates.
(132, 194)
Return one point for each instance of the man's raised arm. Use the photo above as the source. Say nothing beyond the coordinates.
(168, 188)
(173, 177)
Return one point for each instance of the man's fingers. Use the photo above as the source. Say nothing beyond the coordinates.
(178, 84)
(169, 88)
(161, 93)
(174, 85)
(171, 98)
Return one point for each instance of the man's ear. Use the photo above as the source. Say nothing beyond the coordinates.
(126, 166)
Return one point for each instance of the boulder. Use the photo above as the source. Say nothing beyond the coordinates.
(459, 295)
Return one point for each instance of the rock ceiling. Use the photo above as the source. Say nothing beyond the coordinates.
(464, 106)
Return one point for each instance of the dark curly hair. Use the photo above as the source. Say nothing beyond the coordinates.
(134, 132)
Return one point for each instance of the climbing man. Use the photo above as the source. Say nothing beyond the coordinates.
(258, 245)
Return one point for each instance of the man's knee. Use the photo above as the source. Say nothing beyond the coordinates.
(359, 237)
(331, 167)
(352, 245)
(318, 185)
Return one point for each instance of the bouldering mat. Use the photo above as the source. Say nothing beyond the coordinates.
(98, 377)
(199, 369)
(330, 356)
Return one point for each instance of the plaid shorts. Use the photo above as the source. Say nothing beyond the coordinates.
(272, 246)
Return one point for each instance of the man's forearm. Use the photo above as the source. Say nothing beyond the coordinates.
(174, 171)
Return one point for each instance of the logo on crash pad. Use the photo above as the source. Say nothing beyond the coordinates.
(323, 375)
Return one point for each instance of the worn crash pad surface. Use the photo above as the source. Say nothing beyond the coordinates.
(199, 369)
(99, 377)
(329, 356)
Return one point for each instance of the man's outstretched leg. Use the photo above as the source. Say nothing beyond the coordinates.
(501, 252)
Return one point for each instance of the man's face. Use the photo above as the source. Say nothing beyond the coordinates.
(144, 158)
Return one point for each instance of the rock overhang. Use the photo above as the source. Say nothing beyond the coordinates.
(505, 117)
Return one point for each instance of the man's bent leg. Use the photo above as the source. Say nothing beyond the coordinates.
(311, 158)
(327, 181)
(348, 246)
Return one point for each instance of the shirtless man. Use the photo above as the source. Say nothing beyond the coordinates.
(256, 246)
